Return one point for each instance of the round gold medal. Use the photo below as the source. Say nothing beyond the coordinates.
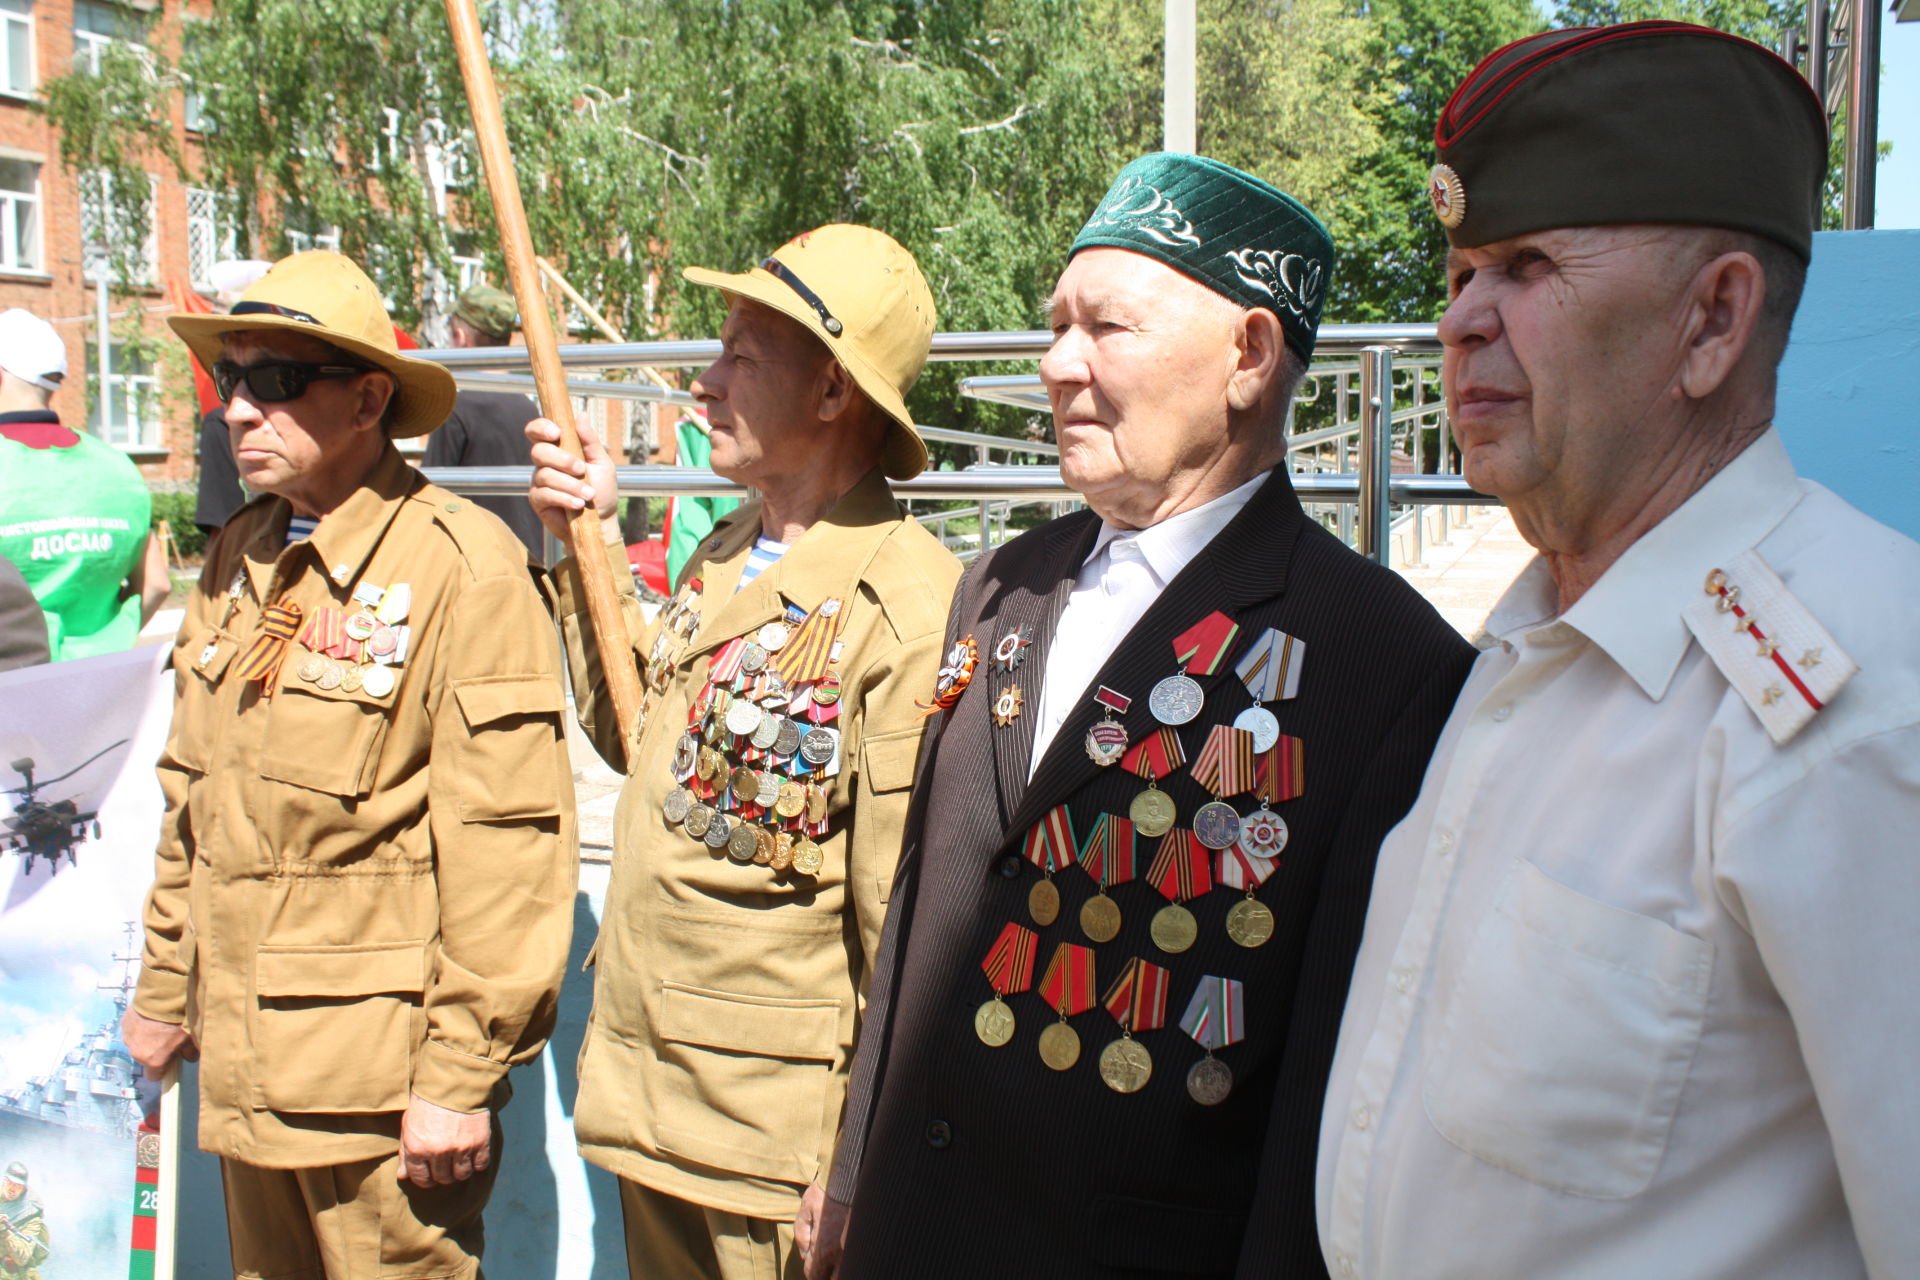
(1100, 918)
(816, 804)
(310, 669)
(1059, 1046)
(331, 675)
(711, 763)
(352, 679)
(763, 847)
(1209, 1081)
(1152, 812)
(1250, 923)
(699, 818)
(782, 852)
(808, 858)
(746, 784)
(1126, 1065)
(993, 1022)
(1174, 929)
(1043, 902)
(793, 798)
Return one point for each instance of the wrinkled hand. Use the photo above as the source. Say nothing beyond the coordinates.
(820, 1232)
(440, 1147)
(154, 1045)
(564, 484)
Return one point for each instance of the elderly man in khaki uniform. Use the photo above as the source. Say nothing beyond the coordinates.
(768, 780)
(359, 955)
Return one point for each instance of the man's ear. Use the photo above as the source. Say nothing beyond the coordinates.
(1724, 303)
(1259, 352)
(376, 390)
(837, 390)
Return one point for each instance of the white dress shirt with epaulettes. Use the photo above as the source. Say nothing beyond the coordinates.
(1639, 994)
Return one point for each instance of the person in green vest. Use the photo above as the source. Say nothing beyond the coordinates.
(75, 515)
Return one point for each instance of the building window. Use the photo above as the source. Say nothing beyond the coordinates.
(97, 24)
(20, 216)
(132, 402)
(213, 233)
(104, 237)
(304, 232)
(16, 47)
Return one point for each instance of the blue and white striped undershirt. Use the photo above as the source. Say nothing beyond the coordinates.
(300, 528)
(765, 552)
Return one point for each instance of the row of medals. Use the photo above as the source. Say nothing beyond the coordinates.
(751, 842)
(1125, 1065)
(384, 644)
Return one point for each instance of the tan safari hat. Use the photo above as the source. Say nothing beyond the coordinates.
(863, 295)
(324, 295)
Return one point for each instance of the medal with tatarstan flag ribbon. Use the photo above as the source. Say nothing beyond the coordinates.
(1153, 758)
(1068, 988)
(1108, 857)
(1270, 668)
(1214, 1019)
(1138, 1002)
(1182, 869)
(1049, 846)
(1107, 740)
(1201, 650)
(1224, 767)
(1009, 970)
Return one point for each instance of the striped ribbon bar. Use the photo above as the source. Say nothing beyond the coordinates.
(1050, 845)
(723, 667)
(1138, 999)
(1156, 755)
(1270, 668)
(1183, 868)
(809, 650)
(261, 662)
(1241, 870)
(1109, 853)
(1281, 774)
(1204, 646)
(1213, 1016)
(1009, 964)
(1225, 764)
(1068, 985)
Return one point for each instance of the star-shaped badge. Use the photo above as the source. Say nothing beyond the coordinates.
(1006, 708)
(1011, 650)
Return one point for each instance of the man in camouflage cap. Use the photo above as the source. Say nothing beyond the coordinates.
(1080, 1056)
(23, 1227)
(1635, 993)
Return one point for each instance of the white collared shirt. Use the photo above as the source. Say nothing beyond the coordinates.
(1637, 994)
(1123, 575)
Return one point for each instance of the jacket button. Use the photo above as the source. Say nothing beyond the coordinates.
(939, 1135)
(1010, 866)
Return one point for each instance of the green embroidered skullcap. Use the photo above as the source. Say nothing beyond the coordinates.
(1228, 230)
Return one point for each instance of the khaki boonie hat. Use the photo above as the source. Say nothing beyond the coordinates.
(863, 295)
(324, 295)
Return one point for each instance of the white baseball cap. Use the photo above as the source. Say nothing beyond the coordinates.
(30, 349)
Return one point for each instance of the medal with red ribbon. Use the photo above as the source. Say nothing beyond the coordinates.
(1049, 846)
(808, 650)
(1107, 740)
(1109, 858)
(261, 662)
(1153, 758)
(1280, 773)
(1009, 970)
(1138, 1002)
(723, 668)
(1201, 649)
(1263, 835)
(1214, 1019)
(1068, 988)
(1225, 768)
(1182, 869)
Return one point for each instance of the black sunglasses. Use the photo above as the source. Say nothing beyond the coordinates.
(273, 381)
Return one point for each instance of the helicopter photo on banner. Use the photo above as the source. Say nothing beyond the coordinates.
(82, 1148)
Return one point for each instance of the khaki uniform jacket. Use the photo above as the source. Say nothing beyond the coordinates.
(727, 996)
(361, 896)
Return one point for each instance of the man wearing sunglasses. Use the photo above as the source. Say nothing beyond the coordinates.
(356, 959)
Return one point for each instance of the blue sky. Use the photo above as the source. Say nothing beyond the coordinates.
(1897, 202)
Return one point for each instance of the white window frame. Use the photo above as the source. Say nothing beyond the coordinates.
(10, 202)
(127, 415)
(90, 46)
(213, 234)
(95, 252)
(17, 25)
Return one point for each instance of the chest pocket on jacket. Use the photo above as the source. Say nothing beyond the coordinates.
(506, 767)
(197, 716)
(321, 741)
(1568, 1039)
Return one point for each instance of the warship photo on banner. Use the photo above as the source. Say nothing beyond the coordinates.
(79, 813)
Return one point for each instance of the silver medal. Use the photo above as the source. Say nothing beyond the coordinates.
(1259, 722)
(1176, 700)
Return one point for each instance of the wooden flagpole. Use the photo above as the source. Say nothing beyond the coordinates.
(584, 537)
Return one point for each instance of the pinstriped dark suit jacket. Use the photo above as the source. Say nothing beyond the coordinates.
(966, 1161)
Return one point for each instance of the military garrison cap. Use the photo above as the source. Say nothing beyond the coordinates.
(1643, 122)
